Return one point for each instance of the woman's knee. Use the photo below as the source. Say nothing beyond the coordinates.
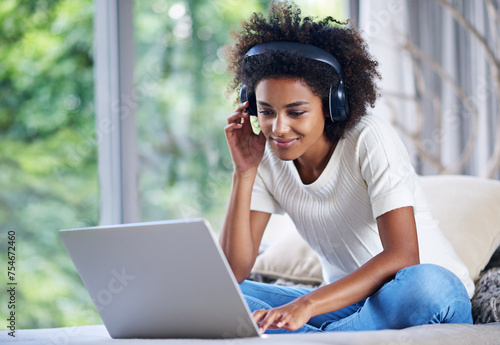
(431, 281)
(435, 291)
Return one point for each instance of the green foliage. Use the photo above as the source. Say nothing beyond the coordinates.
(48, 162)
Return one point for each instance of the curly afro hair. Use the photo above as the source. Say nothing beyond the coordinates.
(285, 23)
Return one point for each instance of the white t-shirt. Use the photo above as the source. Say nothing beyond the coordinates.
(369, 174)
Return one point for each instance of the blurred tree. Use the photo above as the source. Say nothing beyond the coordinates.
(48, 171)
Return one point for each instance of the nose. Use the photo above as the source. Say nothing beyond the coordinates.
(280, 125)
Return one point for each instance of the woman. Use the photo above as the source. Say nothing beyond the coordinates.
(344, 178)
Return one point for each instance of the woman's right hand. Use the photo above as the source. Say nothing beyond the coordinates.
(245, 146)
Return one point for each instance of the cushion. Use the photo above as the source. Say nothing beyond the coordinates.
(290, 258)
(468, 209)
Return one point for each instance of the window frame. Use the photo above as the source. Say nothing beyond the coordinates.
(115, 105)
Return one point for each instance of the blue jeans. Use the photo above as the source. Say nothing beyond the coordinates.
(417, 295)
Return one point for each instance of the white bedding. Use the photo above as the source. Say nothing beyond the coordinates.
(443, 334)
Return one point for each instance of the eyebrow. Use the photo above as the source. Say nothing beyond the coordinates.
(291, 105)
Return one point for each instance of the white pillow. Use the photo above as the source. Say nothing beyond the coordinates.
(468, 209)
(290, 258)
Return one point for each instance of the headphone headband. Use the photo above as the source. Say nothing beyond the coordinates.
(306, 50)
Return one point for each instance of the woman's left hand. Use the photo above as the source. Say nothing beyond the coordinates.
(290, 316)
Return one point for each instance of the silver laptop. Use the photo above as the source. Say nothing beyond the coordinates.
(167, 279)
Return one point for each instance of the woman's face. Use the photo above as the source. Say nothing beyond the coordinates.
(292, 119)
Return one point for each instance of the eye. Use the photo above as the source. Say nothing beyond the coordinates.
(297, 113)
(264, 112)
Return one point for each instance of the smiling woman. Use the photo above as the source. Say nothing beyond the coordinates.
(344, 178)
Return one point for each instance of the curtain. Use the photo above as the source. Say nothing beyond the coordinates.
(440, 87)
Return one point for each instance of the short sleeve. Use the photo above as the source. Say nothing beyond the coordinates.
(385, 167)
(262, 199)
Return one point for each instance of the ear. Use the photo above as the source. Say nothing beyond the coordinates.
(325, 106)
(326, 115)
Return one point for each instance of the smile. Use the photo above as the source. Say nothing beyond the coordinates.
(284, 143)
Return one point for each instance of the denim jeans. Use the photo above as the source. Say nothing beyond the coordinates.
(417, 295)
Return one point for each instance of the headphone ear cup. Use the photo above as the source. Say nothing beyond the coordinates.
(339, 105)
(245, 95)
(252, 104)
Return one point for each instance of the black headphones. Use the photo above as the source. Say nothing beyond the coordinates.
(339, 106)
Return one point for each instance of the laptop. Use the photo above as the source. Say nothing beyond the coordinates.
(166, 279)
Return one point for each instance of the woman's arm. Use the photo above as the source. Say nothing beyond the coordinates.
(243, 229)
(398, 234)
